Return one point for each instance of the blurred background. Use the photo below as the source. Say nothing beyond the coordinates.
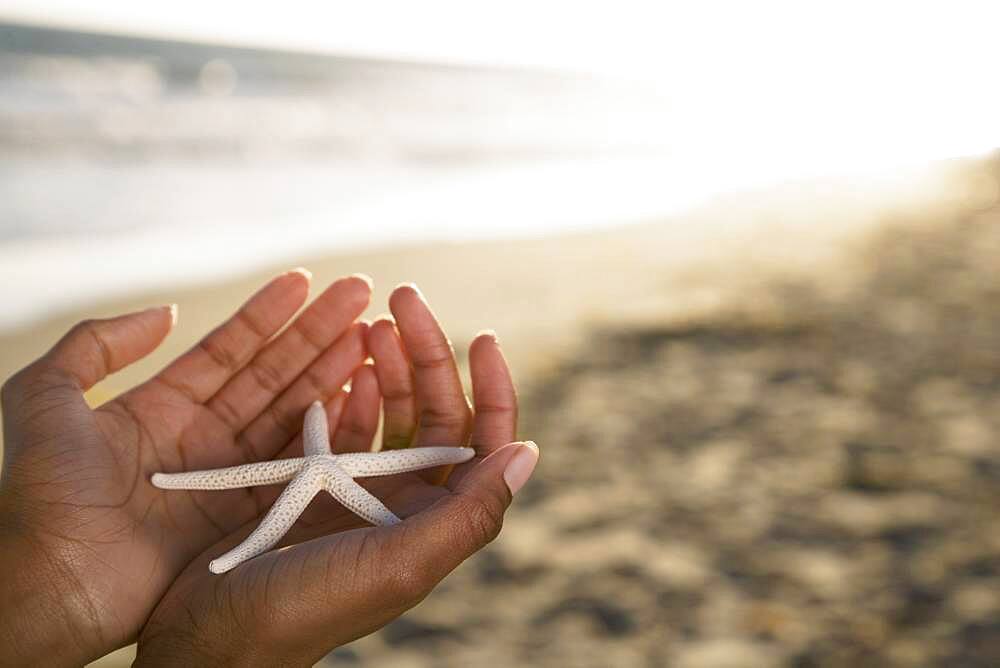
(743, 259)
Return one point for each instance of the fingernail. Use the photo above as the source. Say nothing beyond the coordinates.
(520, 466)
(488, 332)
(366, 278)
(173, 314)
(302, 270)
(385, 316)
(412, 286)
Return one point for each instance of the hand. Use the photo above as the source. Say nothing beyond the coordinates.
(339, 579)
(88, 546)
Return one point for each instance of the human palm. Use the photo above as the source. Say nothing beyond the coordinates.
(76, 490)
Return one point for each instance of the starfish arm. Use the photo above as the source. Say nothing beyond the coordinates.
(245, 475)
(276, 523)
(388, 462)
(316, 431)
(356, 498)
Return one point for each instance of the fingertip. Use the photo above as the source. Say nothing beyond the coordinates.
(509, 449)
(359, 421)
(298, 279)
(359, 331)
(366, 279)
(290, 289)
(159, 320)
(485, 339)
(403, 294)
(407, 286)
(359, 285)
(487, 361)
(334, 408)
(303, 272)
(356, 289)
(359, 340)
(382, 330)
(156, 314)
(521, 465)
(365, 374)
(294, 280)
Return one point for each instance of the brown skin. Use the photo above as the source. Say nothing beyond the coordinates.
(113, 559)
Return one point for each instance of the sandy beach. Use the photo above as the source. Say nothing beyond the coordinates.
(769, 431)
(543, 294)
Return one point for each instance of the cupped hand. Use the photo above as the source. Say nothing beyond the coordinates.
(88, 546)
(333, 578)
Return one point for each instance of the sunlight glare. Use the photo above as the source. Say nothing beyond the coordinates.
(775, 89)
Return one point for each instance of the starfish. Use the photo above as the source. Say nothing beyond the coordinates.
(318, 470)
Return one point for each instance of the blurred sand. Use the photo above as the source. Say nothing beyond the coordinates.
(770, 445)
(541, 295)
(804, 476)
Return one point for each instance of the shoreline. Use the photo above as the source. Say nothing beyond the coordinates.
(543, 294)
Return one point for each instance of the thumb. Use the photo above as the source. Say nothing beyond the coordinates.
(94, 349)
(458, 525)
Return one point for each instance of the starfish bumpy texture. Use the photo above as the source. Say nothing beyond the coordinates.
(318, 470)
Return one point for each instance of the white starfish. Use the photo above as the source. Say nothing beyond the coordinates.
(320, 469)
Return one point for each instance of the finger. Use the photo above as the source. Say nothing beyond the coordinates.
(94, 349)
(494, 397)
(200, 372)
(444, 413)
(395, 382)
(359, 422)
(282, 420)
(283, 359)
(90, 351)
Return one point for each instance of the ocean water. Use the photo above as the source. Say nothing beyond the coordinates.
(129, 164)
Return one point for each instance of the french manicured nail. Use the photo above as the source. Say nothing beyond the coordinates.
(173, 314)
(490, 333)
(366, 278)
(412, 286)
(302, 270)
(520, 466)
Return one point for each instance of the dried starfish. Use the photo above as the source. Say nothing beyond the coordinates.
(319, 469)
